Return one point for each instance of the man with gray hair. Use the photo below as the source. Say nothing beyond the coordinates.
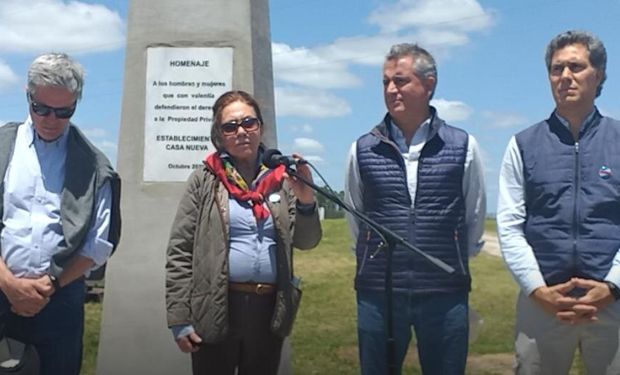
(422, 179)
(59, 203)
(558, 219)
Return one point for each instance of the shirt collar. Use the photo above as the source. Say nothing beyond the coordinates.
(420, 136)
(586, 121)
(60, 142)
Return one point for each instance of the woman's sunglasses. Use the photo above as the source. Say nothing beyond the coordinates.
(249, 124)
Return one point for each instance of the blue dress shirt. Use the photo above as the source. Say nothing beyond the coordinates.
(32, 220)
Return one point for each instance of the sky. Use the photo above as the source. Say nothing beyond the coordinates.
(327, 59)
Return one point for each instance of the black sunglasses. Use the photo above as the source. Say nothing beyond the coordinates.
(44, 110)
(249, 124)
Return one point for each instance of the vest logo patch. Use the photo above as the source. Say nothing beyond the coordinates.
(604, 172)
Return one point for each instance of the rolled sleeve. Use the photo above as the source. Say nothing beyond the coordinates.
(99, 250)
(96, 246)
(181, 330)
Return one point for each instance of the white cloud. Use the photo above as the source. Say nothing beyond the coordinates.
(307, 146)
(437, 25)
(45, 25)
(371, 50)
(309, 103)
(100, 138)
(439, 42)
(455, 15)
(504, 120)
(364, 50)
(367, 50)
(303, 66)
(486, 158)
(304, 128)
(452, 111)
(109, 148)
(107, 145)
(314, 159)
(8, 78)
(95, 132)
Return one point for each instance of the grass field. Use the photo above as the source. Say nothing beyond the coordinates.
(325, 340)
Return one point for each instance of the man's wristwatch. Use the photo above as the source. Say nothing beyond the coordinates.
(55, 282)
(613, 288)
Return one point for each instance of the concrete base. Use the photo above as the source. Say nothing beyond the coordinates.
(134, 335)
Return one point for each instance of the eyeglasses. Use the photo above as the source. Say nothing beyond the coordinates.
(249, 124)
(44, 110)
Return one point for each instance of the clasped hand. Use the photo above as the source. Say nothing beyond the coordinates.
(28, 296)
(570, 309)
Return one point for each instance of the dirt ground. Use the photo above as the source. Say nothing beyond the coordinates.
(491, 245)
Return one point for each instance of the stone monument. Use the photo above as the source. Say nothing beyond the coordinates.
(180, 57)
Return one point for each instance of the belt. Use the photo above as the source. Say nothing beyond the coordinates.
(259, 289)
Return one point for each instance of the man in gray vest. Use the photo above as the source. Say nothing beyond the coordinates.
(558, 219)
(60, 217)
(421, 178)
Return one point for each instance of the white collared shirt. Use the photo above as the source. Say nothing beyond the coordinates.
(33, 185)
(512, 214)
(473, 182)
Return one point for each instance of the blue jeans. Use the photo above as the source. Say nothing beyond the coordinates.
(441, 325)
(56, 331)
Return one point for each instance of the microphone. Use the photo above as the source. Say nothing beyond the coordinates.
(273, 158)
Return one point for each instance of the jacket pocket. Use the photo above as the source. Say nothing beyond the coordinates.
(209, 318)
(285, 309)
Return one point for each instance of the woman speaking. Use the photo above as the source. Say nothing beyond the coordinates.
(230, 292)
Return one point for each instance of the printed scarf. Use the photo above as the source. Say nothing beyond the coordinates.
(267, 181)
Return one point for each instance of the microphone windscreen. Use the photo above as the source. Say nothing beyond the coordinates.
(270, 158)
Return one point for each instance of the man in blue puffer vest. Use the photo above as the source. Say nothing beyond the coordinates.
(559, 220)
(422, 179)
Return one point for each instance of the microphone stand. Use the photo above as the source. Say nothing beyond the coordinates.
(389, 242)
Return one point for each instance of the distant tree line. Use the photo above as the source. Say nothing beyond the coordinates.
(332, 211)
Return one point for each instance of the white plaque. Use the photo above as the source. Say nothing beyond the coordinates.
(182, 85)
